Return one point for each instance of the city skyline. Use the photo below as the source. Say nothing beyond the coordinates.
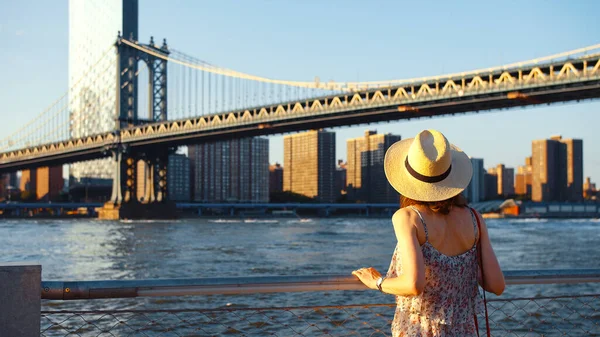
(45, 28)
(558, 169)
(489, 165)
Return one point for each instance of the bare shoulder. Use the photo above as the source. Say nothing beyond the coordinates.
(404, 220)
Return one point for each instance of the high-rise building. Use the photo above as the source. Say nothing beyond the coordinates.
(528, 174)
(520, 185)
(29, 182)
(524, 179)
(9, 183)
(93, 29)
(340, 178)
(505, 180)
(557, 169)
(275, 178)
(475, 192)
(574, 162)
(235, 170)
(508, 181)
(365, 177)
(49, 183)
(178, 178)
(589, 188)
(549, 170)
(353, 169)
(491, 184)
(4, 186)
(11, 179)
(309, 162)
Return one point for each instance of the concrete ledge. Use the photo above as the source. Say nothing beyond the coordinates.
(20, 298)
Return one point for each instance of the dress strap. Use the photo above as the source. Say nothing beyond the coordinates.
(422, 221)
(475, 229)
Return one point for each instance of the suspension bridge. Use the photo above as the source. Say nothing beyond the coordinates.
(186, 101)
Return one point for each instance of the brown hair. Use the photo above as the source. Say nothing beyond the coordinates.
(442, 207)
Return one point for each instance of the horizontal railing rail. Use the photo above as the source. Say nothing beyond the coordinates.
(75, 290)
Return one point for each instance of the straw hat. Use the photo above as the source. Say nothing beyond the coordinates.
(427, 167)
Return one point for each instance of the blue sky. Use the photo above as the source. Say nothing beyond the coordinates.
(340, 40)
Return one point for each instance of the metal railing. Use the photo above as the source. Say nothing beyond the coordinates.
(561, 315)
(65, 290)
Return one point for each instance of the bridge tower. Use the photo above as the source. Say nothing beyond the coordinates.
(124, 200)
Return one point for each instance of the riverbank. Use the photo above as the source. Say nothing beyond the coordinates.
(490, 209)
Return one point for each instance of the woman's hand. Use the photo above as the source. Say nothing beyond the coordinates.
(368, 276)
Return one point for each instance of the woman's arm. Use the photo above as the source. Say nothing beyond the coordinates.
(412, 279)
(493, 277)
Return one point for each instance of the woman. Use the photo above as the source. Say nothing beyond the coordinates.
(434, 270)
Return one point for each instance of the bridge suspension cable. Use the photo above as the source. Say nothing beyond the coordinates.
(53, 123)
(195, 88)
(77, 82)
(182, 59)
(195, 91)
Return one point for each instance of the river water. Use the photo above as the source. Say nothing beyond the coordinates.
(85, 249)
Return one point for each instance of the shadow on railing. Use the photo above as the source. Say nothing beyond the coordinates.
(568, 315)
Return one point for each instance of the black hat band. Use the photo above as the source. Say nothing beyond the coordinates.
(426, 179)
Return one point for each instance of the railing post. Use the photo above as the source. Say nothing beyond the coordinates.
(20, 299)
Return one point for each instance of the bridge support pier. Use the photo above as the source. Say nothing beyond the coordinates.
(149, 194)
(124, 202)
(162, 163)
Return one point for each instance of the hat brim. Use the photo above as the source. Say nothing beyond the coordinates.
(410, 187)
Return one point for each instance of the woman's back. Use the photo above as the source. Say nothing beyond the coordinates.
(451, 234)
(450, 297)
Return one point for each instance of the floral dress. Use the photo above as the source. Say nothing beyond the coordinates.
(450, 298)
